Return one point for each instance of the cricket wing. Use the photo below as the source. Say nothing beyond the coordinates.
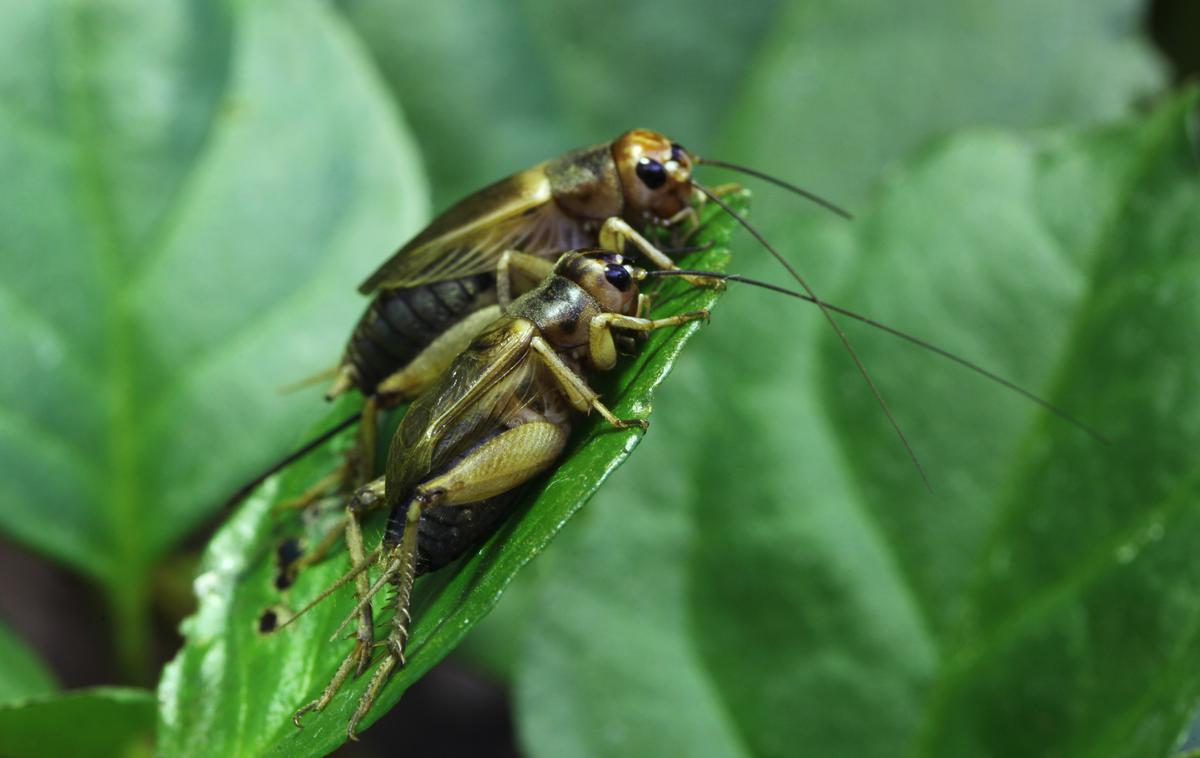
(515, 213)
(470, 401)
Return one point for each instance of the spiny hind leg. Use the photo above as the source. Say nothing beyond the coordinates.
(368, 498)
(399, 387)
(499, 465)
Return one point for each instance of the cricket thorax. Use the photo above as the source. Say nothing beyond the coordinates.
(584, 183)
(560, 309)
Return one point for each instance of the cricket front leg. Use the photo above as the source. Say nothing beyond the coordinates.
(687, 221)
(601, 347)
(615, 232)
(497, 466)
(581, 396)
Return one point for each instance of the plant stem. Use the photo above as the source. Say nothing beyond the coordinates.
(129, 620)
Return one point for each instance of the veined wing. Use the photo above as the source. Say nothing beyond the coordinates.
(469, 401)
(515, 213)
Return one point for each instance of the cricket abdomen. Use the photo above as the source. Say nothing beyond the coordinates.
(446, 532)
(400, 323)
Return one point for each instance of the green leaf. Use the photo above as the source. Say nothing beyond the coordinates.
(105, 722)
(795, 590)
(191, 191)
(233, 689)
(22, 673)
(842, 89)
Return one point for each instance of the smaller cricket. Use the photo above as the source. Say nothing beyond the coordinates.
(497, 418)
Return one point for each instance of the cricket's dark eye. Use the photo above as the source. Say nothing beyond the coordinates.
(678, 154)
(618, 276)
(652, 173)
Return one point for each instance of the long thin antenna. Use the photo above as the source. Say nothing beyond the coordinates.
(308, 381)
(342, 581)
(812, 196)
(1013, 386)
(862, 369)
(291, 458)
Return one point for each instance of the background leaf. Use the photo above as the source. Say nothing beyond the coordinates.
(233, 689)
(1040, 602)
(105, 722)
(191, 192)
(824, 92)
(22, 673)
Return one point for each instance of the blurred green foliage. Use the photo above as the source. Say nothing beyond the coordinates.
(104, 722)
(192, 190)
(180, 236)
(21, 673)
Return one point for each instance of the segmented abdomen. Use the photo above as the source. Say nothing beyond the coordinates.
(400, 323)
(446, 532)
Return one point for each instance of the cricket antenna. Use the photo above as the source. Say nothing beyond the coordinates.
(341, 581)
(811, 196)
(291, 458)
(862, 369)
(1007, 384)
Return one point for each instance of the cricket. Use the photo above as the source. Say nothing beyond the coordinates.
(490, 321)
(443, 287)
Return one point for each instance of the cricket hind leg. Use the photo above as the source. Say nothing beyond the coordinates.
(403, 342)
(516, 273)
(397, 388)
(366, 499)
(494, 468)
